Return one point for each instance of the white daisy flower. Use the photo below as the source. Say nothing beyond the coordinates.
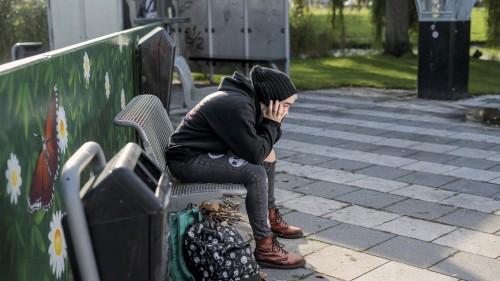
(106, 85)
(62, 129)
(86, 67)
(57, 248)
(14, 179)
(123, 99)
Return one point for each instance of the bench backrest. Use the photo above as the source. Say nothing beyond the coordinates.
(147, 115)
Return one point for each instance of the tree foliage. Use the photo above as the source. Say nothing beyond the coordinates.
(305, 39)
(22, 21)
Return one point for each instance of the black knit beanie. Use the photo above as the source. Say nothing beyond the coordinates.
(270, 84)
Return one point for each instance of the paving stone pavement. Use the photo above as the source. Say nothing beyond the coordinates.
(387, 187)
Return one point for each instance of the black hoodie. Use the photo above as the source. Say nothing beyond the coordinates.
(229, 120)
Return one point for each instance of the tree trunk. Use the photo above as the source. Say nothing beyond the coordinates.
(397, 42)
(493, 7)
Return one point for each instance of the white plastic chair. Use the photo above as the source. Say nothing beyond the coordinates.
(192, 94)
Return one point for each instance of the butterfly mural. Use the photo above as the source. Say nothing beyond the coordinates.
(47, 164)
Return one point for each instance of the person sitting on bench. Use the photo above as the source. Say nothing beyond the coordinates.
(228, 137)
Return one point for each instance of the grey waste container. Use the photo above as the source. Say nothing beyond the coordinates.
(443, 48)
(125, 218)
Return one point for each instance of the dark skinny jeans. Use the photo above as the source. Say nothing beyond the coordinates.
(220, 168)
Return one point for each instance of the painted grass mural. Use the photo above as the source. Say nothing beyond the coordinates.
(48, 109)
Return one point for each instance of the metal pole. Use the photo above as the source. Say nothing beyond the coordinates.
(287, 37)
(209, 31)
(246, 38)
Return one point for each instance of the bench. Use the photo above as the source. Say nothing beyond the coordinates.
(146, 114)
(253, 60)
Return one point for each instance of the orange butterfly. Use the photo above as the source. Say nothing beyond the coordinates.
(47, 164)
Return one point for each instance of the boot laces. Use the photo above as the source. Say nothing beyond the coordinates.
(279, 218)
(277, 246)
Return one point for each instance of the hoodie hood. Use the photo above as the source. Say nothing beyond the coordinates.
(241, 84)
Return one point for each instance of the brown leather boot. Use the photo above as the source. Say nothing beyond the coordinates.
(281, 228)
(270, 253)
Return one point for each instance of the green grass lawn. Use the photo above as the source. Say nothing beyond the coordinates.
(378, 71)
(381, 71)
(359, 27)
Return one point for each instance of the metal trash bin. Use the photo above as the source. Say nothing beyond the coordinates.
(124, 211)
(443, 48)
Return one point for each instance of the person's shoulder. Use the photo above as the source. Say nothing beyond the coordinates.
(234, 99)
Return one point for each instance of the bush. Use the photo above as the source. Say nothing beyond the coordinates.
(22, 21)
(305, 39)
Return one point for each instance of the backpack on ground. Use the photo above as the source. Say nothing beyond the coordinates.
(218, 253)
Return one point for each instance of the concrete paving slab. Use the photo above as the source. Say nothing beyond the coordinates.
(433, 147)
(412, 251)
(416, 228)
(297, 169)
(429, 167)
(352, 236)
(326, 189)
(474, 144)
(395, 271)
(335, 176)
(473, 202)
(283, 195)
(271, 274)
(472, 187)
(353, 155)
(361, 216)
(343, 263)
(390, 161)
(472, 241)
(378, 184)
(472, 153)
(344, 165)
(420, 209)
(426, 179)
(434, 139)
(302, 246)
(424, 193)
(383, 172)
(358, 146)
(309, 224)
(474, 163)
(307, 158)
(314, 205)
(472, 220)
(283, 153)
(394, 151)
(400, 143)
(326, 141)
(472, 136)
(370, 198)
(467, 266)
(295, 136)
(432, 157)
(365, 131)
(473, 174)
(320, 277)
(289, 182)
